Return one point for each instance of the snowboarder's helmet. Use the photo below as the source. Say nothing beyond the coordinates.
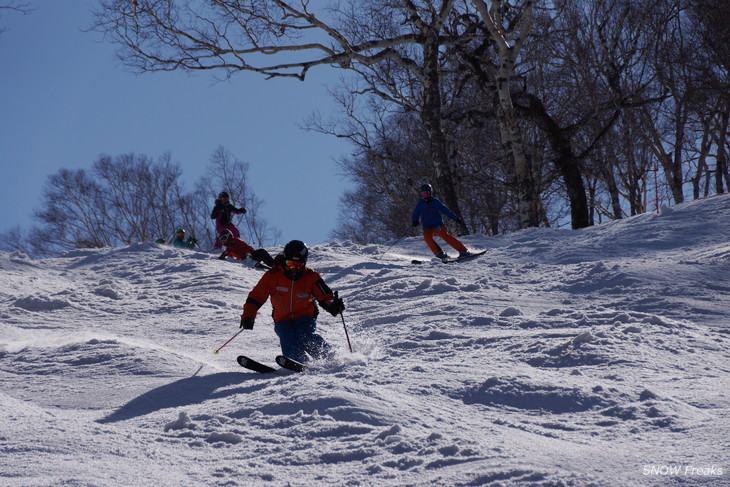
(296, 251)
(225, 236)
(426, 188)
(180, 232)
(222, 195)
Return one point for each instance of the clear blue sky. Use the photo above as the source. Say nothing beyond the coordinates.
(65, 99)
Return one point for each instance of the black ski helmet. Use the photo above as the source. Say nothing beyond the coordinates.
(297, 251)
(222, 195)
(426, 187)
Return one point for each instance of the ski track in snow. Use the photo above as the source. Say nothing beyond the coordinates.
(558, 358)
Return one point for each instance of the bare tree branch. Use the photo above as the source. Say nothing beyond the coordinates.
(14, 6)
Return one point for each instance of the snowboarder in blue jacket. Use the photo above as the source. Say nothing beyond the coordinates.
(428, 211)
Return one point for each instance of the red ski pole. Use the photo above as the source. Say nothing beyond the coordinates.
(229, 341)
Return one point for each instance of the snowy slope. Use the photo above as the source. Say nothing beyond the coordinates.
(593, 357)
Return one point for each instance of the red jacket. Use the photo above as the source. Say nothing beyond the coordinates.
(291, 300)
(238, 249)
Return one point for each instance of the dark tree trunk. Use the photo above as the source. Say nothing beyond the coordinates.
(446, 179)
(566, 161)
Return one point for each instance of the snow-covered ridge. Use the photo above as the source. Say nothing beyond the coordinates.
(591, 357)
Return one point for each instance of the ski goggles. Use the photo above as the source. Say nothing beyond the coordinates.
(292, 264)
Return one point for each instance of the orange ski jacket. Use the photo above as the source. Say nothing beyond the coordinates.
(291, 300)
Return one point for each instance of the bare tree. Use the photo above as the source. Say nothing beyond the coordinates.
(70, 213)
(142, 198)
(712, 63)
(15, 239)
(132, 198)
(701, 170)
(709, 19)
(121, 200)
(583, 70)
(395, 45)
(667, 124)
(388, 165)
(570, 68)
(391, 159)
(622, 162)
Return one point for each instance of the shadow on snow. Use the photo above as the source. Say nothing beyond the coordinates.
(183, 392)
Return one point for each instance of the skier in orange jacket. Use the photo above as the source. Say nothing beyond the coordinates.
(294, 290)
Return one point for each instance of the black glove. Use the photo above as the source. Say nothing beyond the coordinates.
(242, 210)
(247, 323)
(337, 306)
(217, 202)
(415, 223)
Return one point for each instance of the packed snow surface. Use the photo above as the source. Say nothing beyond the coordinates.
(559, 358)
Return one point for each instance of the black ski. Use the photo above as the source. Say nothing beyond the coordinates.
(455, 259)
(283, 362)
(254, 365)
(290, 364)
(459, 259)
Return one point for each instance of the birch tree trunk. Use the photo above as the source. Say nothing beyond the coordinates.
(431, 113)
(511, 134)
(721, 170)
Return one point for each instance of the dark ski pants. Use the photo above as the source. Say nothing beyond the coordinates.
(299, 338)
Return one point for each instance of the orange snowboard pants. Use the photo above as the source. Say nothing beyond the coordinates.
(443, 232)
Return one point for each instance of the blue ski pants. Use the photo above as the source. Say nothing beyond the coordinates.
(299, 338)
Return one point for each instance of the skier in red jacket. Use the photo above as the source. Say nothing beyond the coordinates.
(239, 249)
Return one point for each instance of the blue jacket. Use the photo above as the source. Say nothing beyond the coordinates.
(179, 243)
(429, 212)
